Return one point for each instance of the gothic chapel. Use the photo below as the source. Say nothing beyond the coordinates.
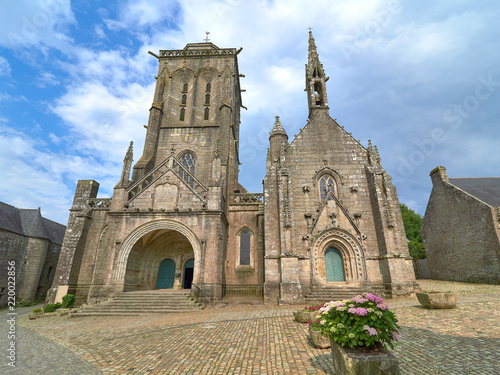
(327, 221)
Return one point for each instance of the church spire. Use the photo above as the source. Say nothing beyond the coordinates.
(278, 128)
(315, 79)
(127, 164)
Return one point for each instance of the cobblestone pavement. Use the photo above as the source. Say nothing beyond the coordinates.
(260, 339)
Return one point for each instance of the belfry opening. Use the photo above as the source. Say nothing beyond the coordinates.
(161, 259)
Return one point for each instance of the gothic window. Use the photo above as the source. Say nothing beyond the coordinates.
(184, 99)
(207, 99)
(326, 184)
(189, 163)
(245, 249)
(185, 88)
(207, 113)
(183, 113)
(209, 87)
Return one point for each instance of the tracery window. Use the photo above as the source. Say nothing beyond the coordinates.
(209, 87)
(207, 99)
(189, 163)
(326, 184)
(185, 88)
(182, 115)
(207, 113)
(245, 249)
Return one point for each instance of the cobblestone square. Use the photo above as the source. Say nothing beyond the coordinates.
(256, 339)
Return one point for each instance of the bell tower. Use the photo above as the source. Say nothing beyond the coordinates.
(195, 114)
(315, 80)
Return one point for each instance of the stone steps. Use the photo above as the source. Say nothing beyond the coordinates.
(320, 295)
(143, 302)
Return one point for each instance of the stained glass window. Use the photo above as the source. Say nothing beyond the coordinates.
(245, 249)
(189, 163)
(326, 184)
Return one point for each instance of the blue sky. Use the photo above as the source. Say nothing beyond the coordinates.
(420, 79)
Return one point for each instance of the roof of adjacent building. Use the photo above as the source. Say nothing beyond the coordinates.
(486, 189)
(30, 223)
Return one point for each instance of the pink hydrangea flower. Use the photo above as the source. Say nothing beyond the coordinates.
(373, 298)
(361, 311)
(359, 299)
(382, 306)
(352, 310)
(395, 336)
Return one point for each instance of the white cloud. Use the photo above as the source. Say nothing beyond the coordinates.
(143, 13)
(47, 79)
(40, 24)
(4, 67)
(99, 32)
(102, 123)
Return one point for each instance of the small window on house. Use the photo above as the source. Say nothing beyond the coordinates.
(184, 99)
(207, 113)
(245, 249)
(326, 184)
(209, 87)
(185, 88)
(183, 114)
(207, 99)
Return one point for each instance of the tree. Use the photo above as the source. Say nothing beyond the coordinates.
(412, 222)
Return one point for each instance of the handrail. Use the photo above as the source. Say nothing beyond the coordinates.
(202, 292)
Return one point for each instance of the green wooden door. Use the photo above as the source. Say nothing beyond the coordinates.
(333, 265)
(166, 274)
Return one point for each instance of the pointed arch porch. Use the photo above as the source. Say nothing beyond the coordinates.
(119, 270)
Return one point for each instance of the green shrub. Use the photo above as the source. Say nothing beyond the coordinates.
(50, 307)
(58, 304)
(37, 310)
(68, 301)
(26, 303)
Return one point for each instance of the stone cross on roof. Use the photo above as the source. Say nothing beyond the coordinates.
(206, 39)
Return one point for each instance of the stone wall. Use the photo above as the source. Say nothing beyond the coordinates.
(460, 235)
(35, 261)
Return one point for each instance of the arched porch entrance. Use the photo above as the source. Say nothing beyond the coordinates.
(139, 258)
(157, 261)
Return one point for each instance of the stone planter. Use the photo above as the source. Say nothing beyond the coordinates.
(304, 316)
(33, 315)
(319, 341)
(437, 300)
(349, 361)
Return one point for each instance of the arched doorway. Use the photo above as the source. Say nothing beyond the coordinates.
(334, 266)
(188, 274)
(156, 261)
(166, 274)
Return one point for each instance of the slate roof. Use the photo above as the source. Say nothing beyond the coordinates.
(486, 189)
(30, 223)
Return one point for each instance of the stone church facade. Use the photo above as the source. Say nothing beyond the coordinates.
(328, 217)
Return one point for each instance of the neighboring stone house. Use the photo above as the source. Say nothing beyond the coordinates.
(33, 243)
(461, 228)
(328, 218)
